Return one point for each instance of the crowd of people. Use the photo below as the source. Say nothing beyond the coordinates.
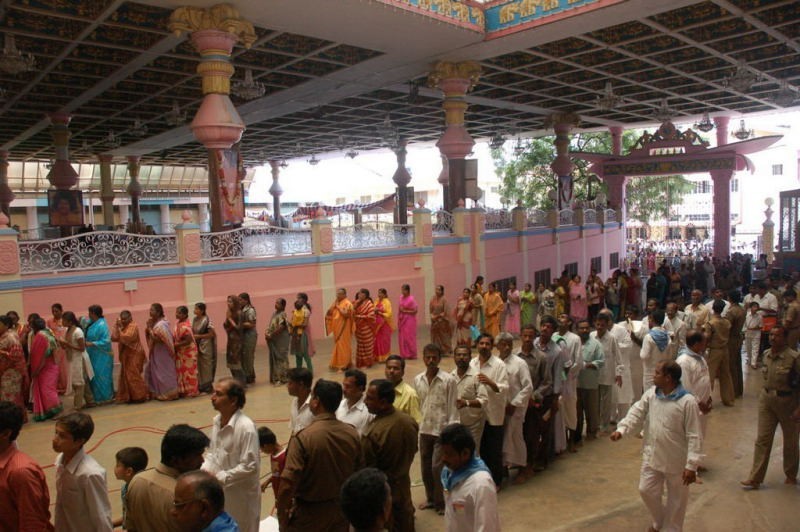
(584, 368)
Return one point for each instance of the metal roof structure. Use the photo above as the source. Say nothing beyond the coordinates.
(334, 70)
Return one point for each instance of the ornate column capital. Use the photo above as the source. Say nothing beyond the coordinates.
(454, 77)
(721, 122)
(62, 175)
(134, 187)
(562, 120)
(275, 190)
(220, 17)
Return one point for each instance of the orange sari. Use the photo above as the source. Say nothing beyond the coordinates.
(339, 323)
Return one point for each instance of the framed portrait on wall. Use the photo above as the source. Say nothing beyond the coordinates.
(65, 207)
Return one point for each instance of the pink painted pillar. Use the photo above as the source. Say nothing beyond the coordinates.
(106, 189)
(722, 212)
(455, 80)
(275, 190)
(62, 175)
(721, 122)
(617, 185)
(6, 194)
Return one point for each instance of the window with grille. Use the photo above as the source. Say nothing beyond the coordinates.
(613, 260)
(542, 277)
(572, 269)
(596, 263)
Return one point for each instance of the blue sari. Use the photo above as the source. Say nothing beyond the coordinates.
(102, 358)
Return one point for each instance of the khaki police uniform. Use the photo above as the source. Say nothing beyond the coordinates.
(777, 401)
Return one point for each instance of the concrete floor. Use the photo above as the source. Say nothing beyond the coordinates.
(594, 489)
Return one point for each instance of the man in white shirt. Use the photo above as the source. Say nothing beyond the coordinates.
(472, 396)
(519, 393)
(752, 334)
(655, 347)
(233, 456)
(676, 328)
(299, 388)
(569, 394)
(471, 495)
(81, 488)
(696, 313)
(437, 391)
(622, 393)
(492, 374)
(557, 365)
(696, 378)
(637, 330)
(717, 295)
(352, 409)
(611, 372)
(673, 445)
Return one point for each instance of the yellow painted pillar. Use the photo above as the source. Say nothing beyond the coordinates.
(10, 280)
(190, 257)
(322, 247)
(462, 227)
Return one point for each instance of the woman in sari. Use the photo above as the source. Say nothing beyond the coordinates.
(161, 374)
(206, 338)
(98, 345)
(58, 329)
(578, 302)
(307, 331)
(233, 349)
(16, 326)
(528, 306)
(185, 354)
(513, 309)
(44, 372)
(441, 329)
(464, 318)
(80, 367)
(561, 298)
(478, 318)
(277, 337)
(407, 324)
(14, 382)
(132, 388)
(493, 309)
(383, 326)
(339, 323)
(364, 314)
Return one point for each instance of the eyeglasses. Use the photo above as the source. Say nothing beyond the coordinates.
(181, 504)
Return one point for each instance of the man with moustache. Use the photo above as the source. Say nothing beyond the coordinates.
(472, 395)
(541, 385)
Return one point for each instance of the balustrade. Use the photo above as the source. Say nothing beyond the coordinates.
(372, 235)
(537, 218)
(96, 250)
(566, 217)
(255, 241)
(498, 219)
(442, 223)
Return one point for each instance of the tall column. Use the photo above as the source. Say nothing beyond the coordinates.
(10, 285)
(6, 194)
(276, 191)
(165, 221)
(616, 139)
(401, 178)
(721, 122)
(562, 124)
(135, 191)
(190, 257)
(106, 189)
(124, 214)
(444, 179)
(32, 218)
(62, 175)
(722, 212)
(455, 80)
(202, 216)
(616, 185)
(214, 32)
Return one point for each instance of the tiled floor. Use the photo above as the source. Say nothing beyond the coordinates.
(595, 489)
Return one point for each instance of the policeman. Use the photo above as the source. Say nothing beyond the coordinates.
(777, 404)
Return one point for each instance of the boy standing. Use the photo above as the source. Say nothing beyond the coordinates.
(81, 489)
(130, 461)
(268, 443)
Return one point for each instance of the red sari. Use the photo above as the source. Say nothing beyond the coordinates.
(364, 313)
(132, 387)
(383, 329)
(186, 359)
(44, 377)
(14, 381)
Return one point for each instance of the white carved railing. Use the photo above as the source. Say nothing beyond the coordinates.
(96, 250)
(442, 223)
(537, 218)
(589, 216)
(372, 235)
(610, 215)
(255, 241)
(499, 219)
(566, 217)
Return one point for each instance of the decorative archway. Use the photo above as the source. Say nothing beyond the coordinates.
(669, 151)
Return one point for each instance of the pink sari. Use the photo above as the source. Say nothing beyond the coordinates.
(44, 371)
(407, 328)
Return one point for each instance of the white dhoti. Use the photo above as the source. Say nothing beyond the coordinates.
(622, 396)
(637, 371)
(569, 403)
(515, 453)
(667, 516)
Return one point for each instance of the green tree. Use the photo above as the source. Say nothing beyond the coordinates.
(528, 177)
